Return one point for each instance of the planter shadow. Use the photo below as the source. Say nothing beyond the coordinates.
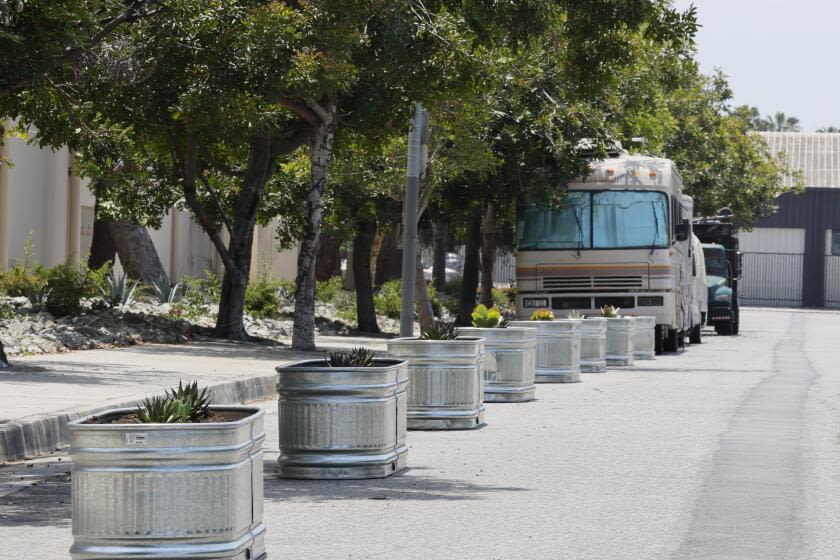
(409, 485)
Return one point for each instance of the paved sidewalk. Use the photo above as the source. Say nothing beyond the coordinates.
(42, 393)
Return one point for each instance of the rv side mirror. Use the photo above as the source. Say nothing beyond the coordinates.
(682, 230)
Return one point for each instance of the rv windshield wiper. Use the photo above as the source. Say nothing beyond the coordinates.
(656, 225)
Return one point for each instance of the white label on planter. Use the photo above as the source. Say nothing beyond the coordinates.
(135, 439)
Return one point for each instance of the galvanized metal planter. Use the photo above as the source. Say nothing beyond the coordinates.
(558, 349)
(644, 338)
(620, 341)
(342, 423)
(446, 382)
(593, 345)
(169, 490)
(509, 362)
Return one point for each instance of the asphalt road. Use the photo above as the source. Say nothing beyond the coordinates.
(727, 451)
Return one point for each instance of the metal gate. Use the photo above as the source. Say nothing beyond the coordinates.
(772, 279)
(832, 281)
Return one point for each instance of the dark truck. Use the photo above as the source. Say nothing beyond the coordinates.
(723, 270)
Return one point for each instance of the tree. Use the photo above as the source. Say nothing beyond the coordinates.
(779, 122)
(828, 129)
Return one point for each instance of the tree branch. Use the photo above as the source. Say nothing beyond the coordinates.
(300, 110)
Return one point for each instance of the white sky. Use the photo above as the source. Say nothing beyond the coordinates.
(780, 55)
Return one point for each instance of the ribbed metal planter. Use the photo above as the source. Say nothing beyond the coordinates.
(558, 349)
(446, 382)
(509, 362)
(620, 341)
(340, 423)
(593, 345)
(644, 338)
(168, 491)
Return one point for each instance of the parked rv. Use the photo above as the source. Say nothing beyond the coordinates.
(621, 237)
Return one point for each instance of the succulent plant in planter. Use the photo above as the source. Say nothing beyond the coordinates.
(446, 388)
(575, 315)
(509, 358)
(557, 348)
(342, 416)
(620, 337)
(176, 499)
(542, 315)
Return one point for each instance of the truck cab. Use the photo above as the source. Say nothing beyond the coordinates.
(720, 278)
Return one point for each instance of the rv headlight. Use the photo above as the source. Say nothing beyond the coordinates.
(725, 296)
(535, 303)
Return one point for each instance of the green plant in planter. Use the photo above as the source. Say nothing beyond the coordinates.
(484, 318)
(610, 312)
(575, 315)
(440, 330)
(178, 406)
(357, 357)
(542, 315)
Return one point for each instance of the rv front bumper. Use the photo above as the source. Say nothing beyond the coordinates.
(651, 304)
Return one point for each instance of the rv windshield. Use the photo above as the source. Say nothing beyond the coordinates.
(599, 220)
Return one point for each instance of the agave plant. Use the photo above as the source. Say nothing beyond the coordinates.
(484, 318)
(166, 292)
(542, 315)
(357, 357)
(38, 298)
(118, 291)
(576, 315)
(610, 312)
(440, 330)
(179, 405)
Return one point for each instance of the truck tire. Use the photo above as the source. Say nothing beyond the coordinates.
(696, 334)
(726, 329)
(672, 341)
(659, 340)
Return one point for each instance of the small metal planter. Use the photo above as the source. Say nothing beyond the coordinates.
(342, 423)
(446, 382)
(620, 341)
(593, 345)
(168, 490)
(509, 362)
(558, 349)
(644, 338)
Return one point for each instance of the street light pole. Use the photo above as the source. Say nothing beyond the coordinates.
(417, 139)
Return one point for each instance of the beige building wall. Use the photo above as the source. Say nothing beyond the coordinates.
(39, 194)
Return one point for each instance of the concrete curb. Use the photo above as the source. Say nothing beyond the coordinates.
(37, 436)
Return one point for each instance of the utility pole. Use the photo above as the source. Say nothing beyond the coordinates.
(418, 139)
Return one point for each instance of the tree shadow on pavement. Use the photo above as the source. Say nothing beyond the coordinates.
(410, 484)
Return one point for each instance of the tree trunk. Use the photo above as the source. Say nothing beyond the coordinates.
(138, 255)
(389, 263)
(103, 250)
(466, 303)
(374, 253)
(488, 254)
(421, 297)
(4, 361)
(230, 322)
(328, 254)
(365, 310)
(320, 153)
(440, 243)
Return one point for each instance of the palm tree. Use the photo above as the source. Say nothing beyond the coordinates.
(829, 129)
(784, 123)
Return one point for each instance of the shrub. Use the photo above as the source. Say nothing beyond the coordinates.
(26, 278)
(198, 292)
(66, 285)
(389, 299)
(6, 311)
(329, 290)
(261, 298)
(504, 299)
(436, 301)
(453, 287)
